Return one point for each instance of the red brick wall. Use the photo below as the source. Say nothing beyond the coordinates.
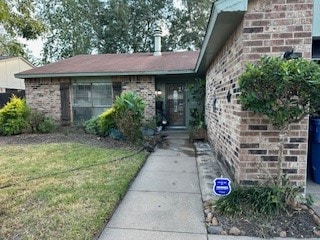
(245, 142)
(275, 26)
(44, 95)
(144, 86)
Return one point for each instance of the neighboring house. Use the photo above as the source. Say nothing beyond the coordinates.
(9, 84)
(239, 31)
(9, 66)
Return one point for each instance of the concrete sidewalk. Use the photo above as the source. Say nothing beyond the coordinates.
(165, 202)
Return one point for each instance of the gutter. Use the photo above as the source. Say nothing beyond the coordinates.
(103, 74)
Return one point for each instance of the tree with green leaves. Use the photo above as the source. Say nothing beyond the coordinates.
(285, 91)
(128, 26)
(17, 20)
(188, 26)
(70, 27)
(112, 30)
(120, 26)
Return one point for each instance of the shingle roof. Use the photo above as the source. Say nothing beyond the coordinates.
(118, 64)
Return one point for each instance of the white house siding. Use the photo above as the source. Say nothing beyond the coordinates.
(9, 67)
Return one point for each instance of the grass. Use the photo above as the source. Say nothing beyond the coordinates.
(61, 191)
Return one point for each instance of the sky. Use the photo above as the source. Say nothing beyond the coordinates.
(35, 46)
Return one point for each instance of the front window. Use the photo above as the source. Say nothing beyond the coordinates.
(90, 99)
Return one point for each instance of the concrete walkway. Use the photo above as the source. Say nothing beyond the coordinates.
(164, 202)
(314, 190)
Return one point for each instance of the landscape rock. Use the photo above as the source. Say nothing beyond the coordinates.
(215, 229)
(223, 233)
(311, 211)
(317, 233)
(234, 231)
(283, 234)
(214, 221)
(209, 217)
(207, 210)
(206, 204)
(316, 219)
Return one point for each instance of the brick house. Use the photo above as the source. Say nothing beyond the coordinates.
(239, 31)
(78, 88)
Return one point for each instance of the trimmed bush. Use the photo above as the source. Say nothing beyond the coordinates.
(14, 117)
(285, 91)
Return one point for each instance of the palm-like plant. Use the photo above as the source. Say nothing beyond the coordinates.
(128, 114)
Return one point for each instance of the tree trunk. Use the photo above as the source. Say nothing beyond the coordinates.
(282, 137)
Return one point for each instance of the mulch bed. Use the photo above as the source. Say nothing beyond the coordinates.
(298, 223)
(66, 134)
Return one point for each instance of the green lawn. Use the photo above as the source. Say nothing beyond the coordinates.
(61, 191)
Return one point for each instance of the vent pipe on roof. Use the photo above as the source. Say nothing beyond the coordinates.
(157, 41)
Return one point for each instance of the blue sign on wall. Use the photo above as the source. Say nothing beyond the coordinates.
(221, 186)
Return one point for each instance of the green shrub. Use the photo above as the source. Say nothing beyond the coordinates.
(102, 124)
(285, 91)
(34, 119)
(128, 116)
(46, 126)
(39, 123)
(106, 121)
(258, 200)
(91, 126)
(197, 93)
(13, 117)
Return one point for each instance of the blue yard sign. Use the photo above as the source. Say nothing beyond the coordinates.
(221, 186)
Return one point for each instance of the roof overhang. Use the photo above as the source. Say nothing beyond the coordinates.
(6, 59)
(226, 15)
(104, 74)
